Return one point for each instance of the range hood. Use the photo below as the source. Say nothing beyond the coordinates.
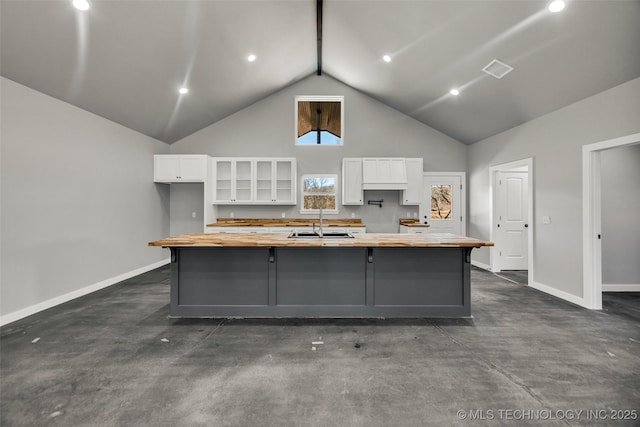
(384, 173)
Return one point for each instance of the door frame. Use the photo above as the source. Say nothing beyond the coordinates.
(463, 195)
(506, 167)
(592, 217)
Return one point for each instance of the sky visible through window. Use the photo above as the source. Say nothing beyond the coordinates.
(326, 138)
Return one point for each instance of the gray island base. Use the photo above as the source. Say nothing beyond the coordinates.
(229, 278)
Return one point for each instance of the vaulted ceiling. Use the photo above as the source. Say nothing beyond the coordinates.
(125, 60)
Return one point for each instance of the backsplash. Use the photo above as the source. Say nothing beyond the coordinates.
(383, 219)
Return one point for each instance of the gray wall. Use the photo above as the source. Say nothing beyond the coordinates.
(372, 129)
(78, 201)
(620, 214)
(186, 198)
(555, 142)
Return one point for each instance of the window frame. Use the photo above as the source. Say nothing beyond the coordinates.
(318, 98)
(335, 193)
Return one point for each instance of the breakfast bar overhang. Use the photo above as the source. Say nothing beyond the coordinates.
(370, 275)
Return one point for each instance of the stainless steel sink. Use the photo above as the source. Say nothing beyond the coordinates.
(316, 235)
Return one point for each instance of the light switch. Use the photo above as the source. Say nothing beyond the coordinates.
(193, 214)
(546, 219)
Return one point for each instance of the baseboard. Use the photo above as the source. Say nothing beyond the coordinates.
(33, 309)
(620, 288)
(480, 265)
(558, 293)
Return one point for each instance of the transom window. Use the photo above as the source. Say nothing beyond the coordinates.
(319, 120)
(319, 191)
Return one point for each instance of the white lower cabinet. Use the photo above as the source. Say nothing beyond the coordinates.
(282, 229)
(413, 230)
(253, 229)
(286, 230)
(222, 230)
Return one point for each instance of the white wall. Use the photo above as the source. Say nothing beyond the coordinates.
(554, 141)
(78, 202)
(620, 172)
(371, 129)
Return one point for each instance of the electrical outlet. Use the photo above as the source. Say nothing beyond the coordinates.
(408, 214)
(193, 214)
(283, 214)
(353, 214)
(231, 215)
(415, 214)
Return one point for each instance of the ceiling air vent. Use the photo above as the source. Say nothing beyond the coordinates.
(497, 69)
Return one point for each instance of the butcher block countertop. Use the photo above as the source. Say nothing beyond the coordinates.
(285, 222)
(359, 240)
(412, 222)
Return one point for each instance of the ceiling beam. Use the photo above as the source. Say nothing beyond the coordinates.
(319, 34)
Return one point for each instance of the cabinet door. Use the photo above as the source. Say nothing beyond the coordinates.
(169, 168)
(352, 182)
(264, 181)
(243, 180)
(166, 168)
(413, 194)
(223, 177)
(284, 183)
(193, 168)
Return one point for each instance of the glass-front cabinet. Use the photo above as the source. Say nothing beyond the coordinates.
(254, 181)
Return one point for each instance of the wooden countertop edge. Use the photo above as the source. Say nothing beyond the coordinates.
(280, 240)
(285, 222)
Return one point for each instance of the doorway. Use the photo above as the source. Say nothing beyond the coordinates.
(591, 217)
(511, 216)
(443, 202)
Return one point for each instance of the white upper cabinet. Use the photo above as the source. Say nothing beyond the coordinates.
(413, 194)
(252, 181)
(352, 181)
(168, 168)
(233, 180)
(275, 181)
(384, 174)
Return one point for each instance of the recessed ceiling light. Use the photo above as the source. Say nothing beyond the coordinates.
(183, 90)
(497, 69)
(81, 4)
(454, 92)
(556, 6)
(386, 58)
(251, 58)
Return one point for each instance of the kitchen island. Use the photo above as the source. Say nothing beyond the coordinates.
(272, 275)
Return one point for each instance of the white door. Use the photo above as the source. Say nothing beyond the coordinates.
(511, 220)
(441, 204)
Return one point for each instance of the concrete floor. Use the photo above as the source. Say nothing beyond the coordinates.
(113, 358)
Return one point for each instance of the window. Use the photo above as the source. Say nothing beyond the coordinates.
(441, 202)
(319, 120)
(319, 191)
